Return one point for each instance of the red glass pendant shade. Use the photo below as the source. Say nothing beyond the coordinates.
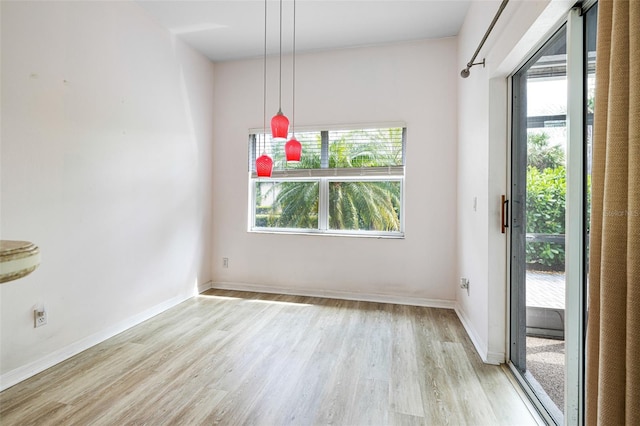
(279, 127)
(293, 149)
(264, 165)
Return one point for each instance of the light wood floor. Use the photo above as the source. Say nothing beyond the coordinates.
(246, 358)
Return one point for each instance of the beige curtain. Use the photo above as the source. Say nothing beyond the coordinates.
(613, 331)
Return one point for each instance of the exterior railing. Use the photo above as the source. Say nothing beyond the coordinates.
(545, 238)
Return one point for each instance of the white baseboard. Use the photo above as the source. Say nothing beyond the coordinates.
(495, 358)
(204, 286)
(334, 294)
(19, 374)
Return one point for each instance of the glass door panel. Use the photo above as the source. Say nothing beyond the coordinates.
(538, 192)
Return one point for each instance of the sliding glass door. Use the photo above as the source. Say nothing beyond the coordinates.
(550, 162)
(538, 191)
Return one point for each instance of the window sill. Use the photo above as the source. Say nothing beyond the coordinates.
(385, 236)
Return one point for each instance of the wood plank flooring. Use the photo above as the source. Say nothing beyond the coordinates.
(235, 358)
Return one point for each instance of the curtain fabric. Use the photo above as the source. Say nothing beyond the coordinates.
(613, 330)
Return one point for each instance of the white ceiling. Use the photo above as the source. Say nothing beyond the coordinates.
(234, 29)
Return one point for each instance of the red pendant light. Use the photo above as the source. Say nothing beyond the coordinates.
(293, 149)
(264, 165)
(279, 122)
(279, 127)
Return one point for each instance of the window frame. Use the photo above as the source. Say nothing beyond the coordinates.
(324, 177)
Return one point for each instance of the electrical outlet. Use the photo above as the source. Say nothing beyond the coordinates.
(39, 317)
(464, 283)
(225, 262)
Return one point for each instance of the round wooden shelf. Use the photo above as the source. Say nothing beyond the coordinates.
(17, 259)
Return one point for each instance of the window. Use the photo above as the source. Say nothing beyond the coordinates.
(348, 181)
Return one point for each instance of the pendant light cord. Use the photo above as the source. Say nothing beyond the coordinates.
(264, 82)
(280, 84)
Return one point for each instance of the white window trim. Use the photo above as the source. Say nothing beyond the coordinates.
(337, 127)
(323, 177)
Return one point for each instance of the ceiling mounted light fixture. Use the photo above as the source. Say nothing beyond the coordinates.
(293, 148)
(279, 122)
(264, 163)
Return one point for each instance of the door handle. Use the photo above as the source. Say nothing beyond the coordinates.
(504, 215)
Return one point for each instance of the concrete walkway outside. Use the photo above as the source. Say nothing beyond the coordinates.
(545, 357)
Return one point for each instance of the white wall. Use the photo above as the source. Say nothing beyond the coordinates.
(106, 166)
(483, 138)
(412, 82)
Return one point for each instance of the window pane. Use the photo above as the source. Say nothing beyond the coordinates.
(286, 205)
(365, 148)
(366, 206)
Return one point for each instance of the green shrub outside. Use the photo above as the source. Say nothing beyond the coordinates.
(546, 191)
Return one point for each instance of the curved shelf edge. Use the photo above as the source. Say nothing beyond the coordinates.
(17, 259)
